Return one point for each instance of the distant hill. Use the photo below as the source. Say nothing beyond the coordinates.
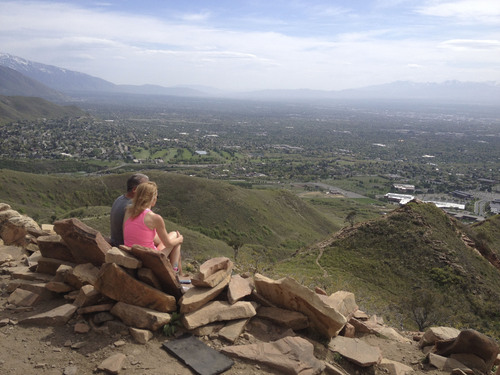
(16, 108)
(55, 77)
(449, 91)
(13, 83)
(415, 260)
(72, 82)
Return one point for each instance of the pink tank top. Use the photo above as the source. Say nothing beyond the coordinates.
(135, 232)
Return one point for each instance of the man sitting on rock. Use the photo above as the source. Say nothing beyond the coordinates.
(120, 205)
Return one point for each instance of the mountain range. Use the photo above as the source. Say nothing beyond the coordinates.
(38, 79)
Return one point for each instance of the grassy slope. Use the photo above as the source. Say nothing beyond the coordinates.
(266, 220)
(489, 232)
(386, 261)
(14, 108)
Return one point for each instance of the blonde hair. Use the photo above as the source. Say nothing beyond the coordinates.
(144, 195)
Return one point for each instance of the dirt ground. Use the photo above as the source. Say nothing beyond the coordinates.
(59, 350)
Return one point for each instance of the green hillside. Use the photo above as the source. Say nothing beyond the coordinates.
(16, 108)
(272, 224)
(411, 263)
(489, 232)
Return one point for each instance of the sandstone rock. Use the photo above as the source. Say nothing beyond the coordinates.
(349, 331)
(318, 290)
(361, 326)
(55, 317)
(212, 266)
(122, 258)
(115, 283)
(32, 261)
(395, 368)
(288, 294)
(85, 243)
(196, 297)
(447, 364)
(140, 317)
(142, 336)
(22, 297)
(344, 302)
(217, 311)
(213, 280)
(10, 253)
(50, 265)
(48, 228)
(238, 289)
(472, 342)
(472, 361)
(233, 329)
(24, 273)
(147, 276)
(391, 334)
(434, 334)
(54, 247)
(59, 287)
(86, 273)
(87, 296)
(113, 364)
(333, 369)
(81, 328)
(65, 273)
(157, 262)
(290, 355)
(360, 315)
(14, 227)
(95, 308)
(287, 318)
(356, 351)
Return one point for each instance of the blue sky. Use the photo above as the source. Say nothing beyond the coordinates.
(256, 44)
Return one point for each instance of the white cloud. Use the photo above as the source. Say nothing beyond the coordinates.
(471, 44)
(465, 10)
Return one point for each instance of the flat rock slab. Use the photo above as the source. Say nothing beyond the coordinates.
(54, 247)
(197, 297)
(113, 364)
(122, 258)
(289, 355)
(201, 358)
(286, 318)
(117, 284)
(86, 244)
(238, 289)
(140, 317)
(434, 334)
(233, 329)
(158, 262)
(344, 302)
(356, 351)
(218, 311)
(288, 294)
(55, 317)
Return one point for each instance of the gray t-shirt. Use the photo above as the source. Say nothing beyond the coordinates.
(116, 219)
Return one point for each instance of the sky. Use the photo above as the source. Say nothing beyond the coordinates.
(259, 44)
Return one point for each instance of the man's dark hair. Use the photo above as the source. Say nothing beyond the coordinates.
(135, 180)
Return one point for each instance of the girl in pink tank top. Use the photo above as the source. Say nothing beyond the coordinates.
(143, 227)
(135, 232)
